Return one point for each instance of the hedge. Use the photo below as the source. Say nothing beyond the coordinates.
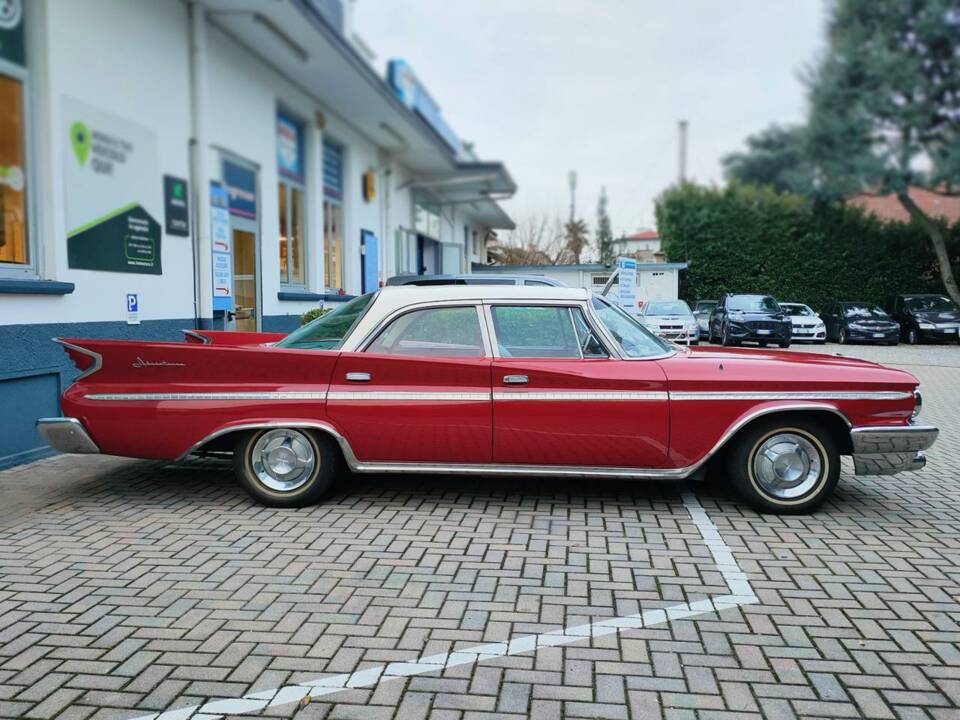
(743, 238)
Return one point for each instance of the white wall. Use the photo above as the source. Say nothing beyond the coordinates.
(73, 53)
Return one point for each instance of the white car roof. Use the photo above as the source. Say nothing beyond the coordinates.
(395, 297)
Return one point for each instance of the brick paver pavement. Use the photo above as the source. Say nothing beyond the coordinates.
(131, 588)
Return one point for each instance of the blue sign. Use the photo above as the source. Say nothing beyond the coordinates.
(221, 245)
(289, 148)
(415, 96)
(241, 184)
(133, 304)
(369, 261)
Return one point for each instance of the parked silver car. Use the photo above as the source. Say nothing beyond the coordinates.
(701, 312)
(671, 320)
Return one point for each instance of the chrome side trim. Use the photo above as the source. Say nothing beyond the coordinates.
(204, 340)
(324, 427)
(577, 395)
(525, 470)
(97, 358)
(66, 434)
(892, 439)
(376, 395)
(192, 396)
(778, 395)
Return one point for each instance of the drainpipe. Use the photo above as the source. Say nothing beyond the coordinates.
(199, 171)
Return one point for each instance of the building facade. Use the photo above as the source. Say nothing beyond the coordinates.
(220, 164)
(644, 245)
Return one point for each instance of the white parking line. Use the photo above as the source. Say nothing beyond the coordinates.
(741, 593)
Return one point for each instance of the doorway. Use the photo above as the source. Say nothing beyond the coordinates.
(245, 313)
(241, 183)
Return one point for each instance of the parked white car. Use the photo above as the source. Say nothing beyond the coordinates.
(671, 320)
(807, 326)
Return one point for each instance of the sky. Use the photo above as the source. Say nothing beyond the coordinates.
(598, 86)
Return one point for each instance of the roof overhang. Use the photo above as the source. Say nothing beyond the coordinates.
(475, 187)
(290, 36)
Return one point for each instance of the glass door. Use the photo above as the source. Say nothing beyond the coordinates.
(244, 281)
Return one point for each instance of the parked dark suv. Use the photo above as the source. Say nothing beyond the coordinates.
(859, 322)
(930, 317)
(749, 318)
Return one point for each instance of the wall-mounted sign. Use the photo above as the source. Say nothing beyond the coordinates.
(11, 32)
(414, 95)
(289, 148)
(133, 309)
(112, 192)
(369, 185)
(627, 284)
(176, 211)
(222, 261)
(241, 185)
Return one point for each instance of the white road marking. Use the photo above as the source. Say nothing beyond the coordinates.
(741, 593)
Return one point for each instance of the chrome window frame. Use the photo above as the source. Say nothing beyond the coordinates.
(364, 345)
(611, 341)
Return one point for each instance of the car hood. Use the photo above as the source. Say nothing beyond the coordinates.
(738, 316)
(780, 370)
(939, 317)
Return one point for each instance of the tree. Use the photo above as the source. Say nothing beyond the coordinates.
(885, 107)
(537, 240)
(577, 236)
(776, 157)
(604, 230)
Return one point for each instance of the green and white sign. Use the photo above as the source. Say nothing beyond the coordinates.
(113, 192)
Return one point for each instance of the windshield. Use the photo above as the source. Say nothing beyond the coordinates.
(634, 338)
(706, 305)
(868, 312)
(796, 309)
(328, 331)
(672, 307)
(932, 303)
(760, 303)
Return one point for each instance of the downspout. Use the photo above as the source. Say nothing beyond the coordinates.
(199, 173)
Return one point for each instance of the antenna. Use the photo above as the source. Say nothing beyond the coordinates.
(682, 160)
(572, 178)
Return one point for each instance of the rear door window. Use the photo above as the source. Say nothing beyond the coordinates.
(432, 332)
(535, 331)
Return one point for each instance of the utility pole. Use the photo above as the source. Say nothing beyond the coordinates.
(572, 178)
(682, 169)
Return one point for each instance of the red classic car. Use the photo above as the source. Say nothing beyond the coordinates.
(490, 380)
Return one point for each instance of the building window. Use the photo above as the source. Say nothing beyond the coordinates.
(14, 241)
(291, 191)
(333, 215)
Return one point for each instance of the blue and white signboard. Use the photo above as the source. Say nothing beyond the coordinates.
(627, 284)
(222, 257)
(289, 148)
(241, 184)
(133, 309)
(414, 95)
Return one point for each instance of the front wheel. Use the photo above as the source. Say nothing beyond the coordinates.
(725, 339)
(785, 466)
(286, 467)
(784, 344)
(843, 336)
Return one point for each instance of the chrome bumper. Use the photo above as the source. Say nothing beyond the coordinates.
(66, 434)
(890, 450)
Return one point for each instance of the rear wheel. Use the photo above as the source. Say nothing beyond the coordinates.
(286, 467)
(785, 466)
(842, 336)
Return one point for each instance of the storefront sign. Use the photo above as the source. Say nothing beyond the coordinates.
(290, 148)
(222, 259)
(414, 95)
(627, 284)
(111, 188)
(241, 185)
(176, 211)
(11, 32)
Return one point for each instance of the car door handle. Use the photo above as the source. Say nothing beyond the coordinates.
(358, 376)
(515, 379)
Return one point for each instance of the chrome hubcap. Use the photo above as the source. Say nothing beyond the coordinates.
(787, 465)
(283, 459)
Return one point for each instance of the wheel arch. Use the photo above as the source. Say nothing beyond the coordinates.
(223, 435)
(831, 418)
